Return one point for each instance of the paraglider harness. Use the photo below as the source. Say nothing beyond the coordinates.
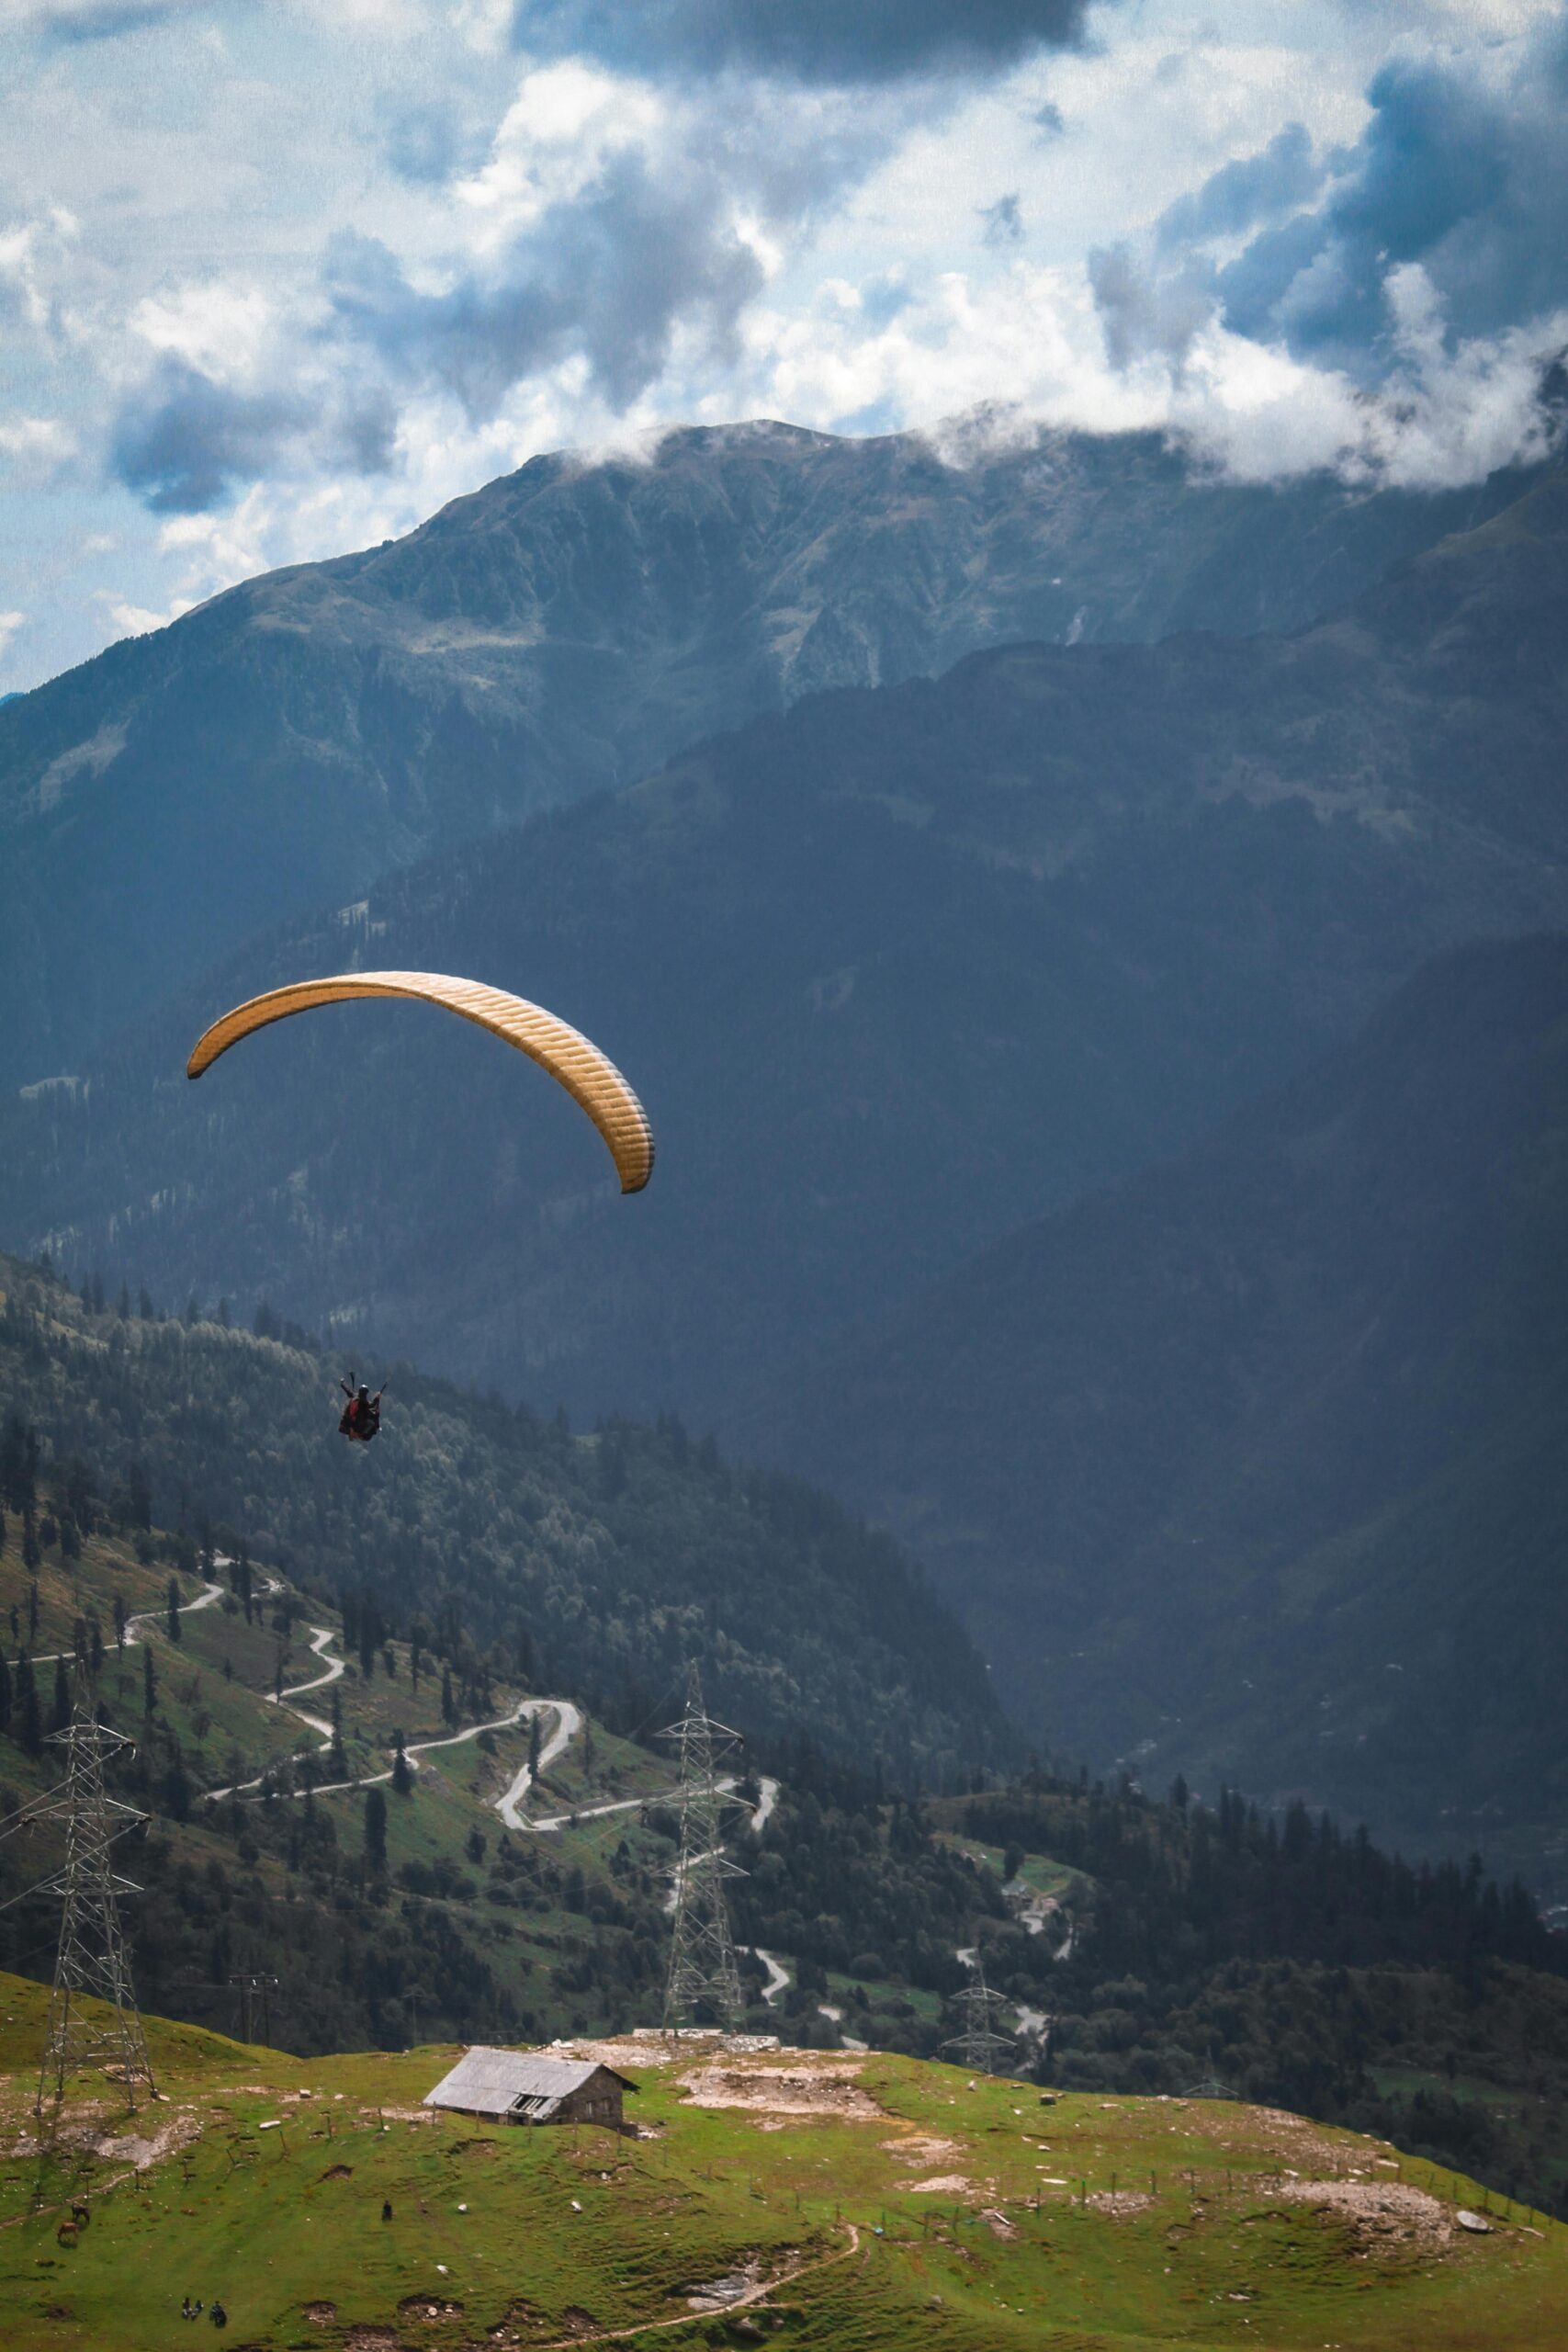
(361, 1417)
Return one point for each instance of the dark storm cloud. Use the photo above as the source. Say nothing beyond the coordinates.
(1469, 180)
(1002, 224)
(1144, 311)
(1242, 195)
(819, 41)
(1466, 178)
(86, 20)
(612, 275)
(182, 441)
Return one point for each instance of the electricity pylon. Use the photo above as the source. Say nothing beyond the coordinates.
(978, 2045)
(91, 1961)
(703, 1975)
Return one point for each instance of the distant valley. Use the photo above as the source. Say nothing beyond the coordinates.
(1254, 1467)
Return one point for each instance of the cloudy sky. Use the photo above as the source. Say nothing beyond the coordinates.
(278, 277)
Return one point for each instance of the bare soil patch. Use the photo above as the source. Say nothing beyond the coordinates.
(783, 2090)
(320, 2314)
(733, 2287)
(920, 2148)
(941, 2184)
(431, 2310)
(1384, 2213)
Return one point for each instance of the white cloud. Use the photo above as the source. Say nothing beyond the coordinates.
(220, 327)
(222, 285)
(36, 447)
(9, 624)
(138, 620)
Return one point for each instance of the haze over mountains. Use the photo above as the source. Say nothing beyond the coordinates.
(564, 630)
(895, 972)
(1255, 1465)
(901, 970)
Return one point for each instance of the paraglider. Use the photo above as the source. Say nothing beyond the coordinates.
(570, 1058)
(361, 1417)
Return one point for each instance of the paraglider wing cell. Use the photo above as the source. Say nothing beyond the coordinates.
(571, 1060)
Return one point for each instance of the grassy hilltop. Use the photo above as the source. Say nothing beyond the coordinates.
(864, 2202)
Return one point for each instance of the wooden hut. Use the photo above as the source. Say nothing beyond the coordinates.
(533, 2087)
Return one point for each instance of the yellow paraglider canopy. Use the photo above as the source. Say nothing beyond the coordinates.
(571, 1060)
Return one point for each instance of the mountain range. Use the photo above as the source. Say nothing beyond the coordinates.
(912, 972)
(895, 971)
(562, 632)
(1254, 1467)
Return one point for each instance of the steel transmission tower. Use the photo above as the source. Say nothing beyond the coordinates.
(703, 1975)
(91, 1961)
(979, 2045)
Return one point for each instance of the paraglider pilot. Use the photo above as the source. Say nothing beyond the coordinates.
(361, 1417)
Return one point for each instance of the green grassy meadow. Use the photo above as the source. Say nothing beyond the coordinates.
(863, 2203)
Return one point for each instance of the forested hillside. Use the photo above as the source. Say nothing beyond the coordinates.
(893, 973)
(564, 630)
(597, 1563)
(1257, 1466)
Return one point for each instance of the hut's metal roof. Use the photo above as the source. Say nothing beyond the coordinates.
(492, 2082)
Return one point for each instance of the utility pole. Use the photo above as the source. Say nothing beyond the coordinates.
(90, 1963)
(978, 2046)
(703, 1975)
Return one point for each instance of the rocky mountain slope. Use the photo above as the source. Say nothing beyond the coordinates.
(1257, 1466)
(893, 973)
(563, 631)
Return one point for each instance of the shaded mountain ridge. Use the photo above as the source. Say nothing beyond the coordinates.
(562, 631)
(1256, 1466)
(893, 973)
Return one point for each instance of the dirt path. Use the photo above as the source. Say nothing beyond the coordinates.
(552, 1821)
(757, 2294)
(320, 1636)
(778, 1978)
(569, 1723)
(133, 1639)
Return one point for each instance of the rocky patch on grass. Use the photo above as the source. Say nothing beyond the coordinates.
(1383, 2213)
(783, 2090)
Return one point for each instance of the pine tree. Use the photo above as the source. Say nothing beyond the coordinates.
(5, 1693)
(535, 1744)
(149, 1682)
(32, 1556)
(177, 1786)
(32, 1610)
(376, 1831)
(122, 1619)
(402, 1770)
(28, 1706)
(141, 1494)
(337, 1759)
(175, 1633)
(448, 1704)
